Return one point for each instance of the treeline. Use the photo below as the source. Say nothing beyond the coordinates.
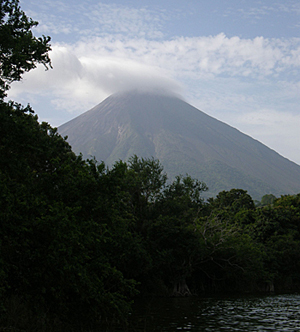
(80, 241)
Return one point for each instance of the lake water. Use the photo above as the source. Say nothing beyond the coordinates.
(253, 313)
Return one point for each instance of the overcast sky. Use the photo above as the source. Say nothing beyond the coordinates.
(238, 61)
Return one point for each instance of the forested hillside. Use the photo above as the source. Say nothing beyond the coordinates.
(80, 241)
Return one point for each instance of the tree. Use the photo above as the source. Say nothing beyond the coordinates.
(277, 228)
(170, 235)
(229, 257)
(144, 181)
(233, 200)
(61, 234)
(182, 199)
(266, 200)
(20, 50)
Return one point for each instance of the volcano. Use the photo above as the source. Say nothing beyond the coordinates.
(184, 139)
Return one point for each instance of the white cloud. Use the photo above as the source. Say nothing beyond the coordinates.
(259, 10)
(96, 19)
(218, 55)
(98, 67)
(289, 6)
(86, 80)
(120, 19)
(67, 67)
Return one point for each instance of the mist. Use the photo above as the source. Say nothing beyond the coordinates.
(77, 83)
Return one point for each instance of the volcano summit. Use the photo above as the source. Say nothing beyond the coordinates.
(184, 139)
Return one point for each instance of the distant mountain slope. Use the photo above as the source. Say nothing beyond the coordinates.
(184, 139)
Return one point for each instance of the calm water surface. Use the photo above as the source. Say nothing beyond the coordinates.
(268, 313)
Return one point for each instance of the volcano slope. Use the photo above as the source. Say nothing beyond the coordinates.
(184, 139)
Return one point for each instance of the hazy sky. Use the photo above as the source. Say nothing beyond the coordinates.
(238, 61)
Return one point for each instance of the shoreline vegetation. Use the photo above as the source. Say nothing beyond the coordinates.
(80, 241)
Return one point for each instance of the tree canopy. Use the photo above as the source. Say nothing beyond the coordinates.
(20, 50)
(80, 240)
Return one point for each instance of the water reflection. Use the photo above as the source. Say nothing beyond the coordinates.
(269, 313)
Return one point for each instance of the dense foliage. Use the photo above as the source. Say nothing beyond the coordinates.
(20, 50)
(79, 241)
